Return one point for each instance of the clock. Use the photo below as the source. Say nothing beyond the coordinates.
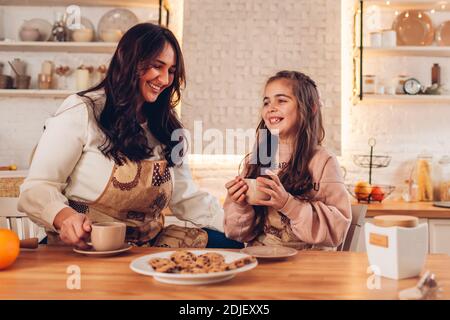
(412, 86)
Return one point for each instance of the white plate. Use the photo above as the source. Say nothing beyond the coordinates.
(270, 252)
(141, 265)
(92, 252)
(44, 27)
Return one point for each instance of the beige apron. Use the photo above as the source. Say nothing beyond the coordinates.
(278, 232)
(136, 194)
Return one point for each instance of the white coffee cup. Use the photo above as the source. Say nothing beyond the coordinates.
(108, 236)
(253, 194)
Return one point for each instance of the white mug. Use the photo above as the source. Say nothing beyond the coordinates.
(253, 195)
(389, 39)
(107, 236)
(375, 39)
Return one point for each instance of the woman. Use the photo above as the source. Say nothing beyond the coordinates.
(106, 155)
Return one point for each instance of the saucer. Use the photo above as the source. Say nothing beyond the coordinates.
(92, 252)
(270, 252)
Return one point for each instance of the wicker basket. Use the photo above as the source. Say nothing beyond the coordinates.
(10, 187)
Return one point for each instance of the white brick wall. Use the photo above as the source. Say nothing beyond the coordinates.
(232, 46)
(22, 119)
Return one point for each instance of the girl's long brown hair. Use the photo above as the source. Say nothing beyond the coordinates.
(124, 136)
(296, 177)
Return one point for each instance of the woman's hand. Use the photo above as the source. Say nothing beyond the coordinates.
(274, 188)
(74, 228)
(236, 189)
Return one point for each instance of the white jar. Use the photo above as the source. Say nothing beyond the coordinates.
(375, 39)
(397, 246)
(380, 89)
(388, 39)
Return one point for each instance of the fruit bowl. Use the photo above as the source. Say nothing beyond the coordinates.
(370, 193)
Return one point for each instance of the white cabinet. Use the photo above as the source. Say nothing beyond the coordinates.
(439, 231)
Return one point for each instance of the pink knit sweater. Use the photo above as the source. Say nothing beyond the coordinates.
(322, 221)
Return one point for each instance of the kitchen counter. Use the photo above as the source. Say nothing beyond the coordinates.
(417, 209)
(44, 273)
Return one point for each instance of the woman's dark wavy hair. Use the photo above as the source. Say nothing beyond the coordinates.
(310, 133)
(124, 136)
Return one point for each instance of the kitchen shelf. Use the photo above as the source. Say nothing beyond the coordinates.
(35, 93)
(87, 3)
(429, 51)
(405, 98)
(409, 4)
(360, 51)
(50, 46)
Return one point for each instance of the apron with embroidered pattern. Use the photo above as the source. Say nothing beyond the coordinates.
(136, 194)
(278, 232)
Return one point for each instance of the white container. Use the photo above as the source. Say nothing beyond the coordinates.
(388, 39)
(375, 39)
(380, 89)
(398, 252)
(390, 89)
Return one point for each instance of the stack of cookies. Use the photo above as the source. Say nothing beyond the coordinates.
(188, 262)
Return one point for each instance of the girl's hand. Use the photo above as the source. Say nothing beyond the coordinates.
(274, 188)
(74, 228)
(236, 189)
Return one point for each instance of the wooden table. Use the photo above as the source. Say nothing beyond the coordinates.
(417, 209)
(42, 274)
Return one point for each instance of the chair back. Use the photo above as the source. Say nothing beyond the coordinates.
(17, 221)
(351, 239)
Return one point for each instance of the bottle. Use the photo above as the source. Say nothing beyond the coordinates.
(60, 31)
(436, 74)
(443, 185)
(423, 176)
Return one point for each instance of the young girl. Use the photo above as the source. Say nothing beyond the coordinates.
(308, 206)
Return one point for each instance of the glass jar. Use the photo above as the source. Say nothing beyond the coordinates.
(400, 82)
(369, 84)
(443, 183)
(422, 176)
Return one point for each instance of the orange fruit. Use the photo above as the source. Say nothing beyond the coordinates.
(362, 190)
(9, 248)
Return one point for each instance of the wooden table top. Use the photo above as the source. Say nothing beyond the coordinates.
(43, 274)
(417, 209)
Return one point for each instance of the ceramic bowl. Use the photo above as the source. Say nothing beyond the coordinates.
(111, 35)
(29, 34)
